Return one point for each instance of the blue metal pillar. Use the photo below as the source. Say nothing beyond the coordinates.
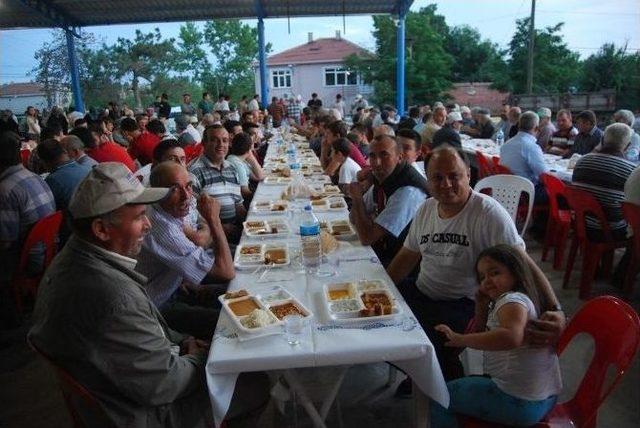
(400, 62)
(264, 81)
(75, 76)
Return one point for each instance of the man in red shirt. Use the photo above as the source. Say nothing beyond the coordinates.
(108, 151)
(142, 147)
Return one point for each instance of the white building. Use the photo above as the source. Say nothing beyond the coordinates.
(18, 96)
(316, 66)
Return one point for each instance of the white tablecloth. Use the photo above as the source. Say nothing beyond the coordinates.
(325, 343)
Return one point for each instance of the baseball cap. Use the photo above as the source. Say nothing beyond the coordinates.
(454, 116)
(109, 186)
(359, 96)
(465, 109)
(544, 112)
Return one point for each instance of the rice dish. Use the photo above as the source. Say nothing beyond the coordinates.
(257, 318)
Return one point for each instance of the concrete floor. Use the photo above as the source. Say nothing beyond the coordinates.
(29, 397)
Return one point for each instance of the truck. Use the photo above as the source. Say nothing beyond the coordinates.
(600, 102)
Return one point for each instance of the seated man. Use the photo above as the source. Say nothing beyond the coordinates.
(546, 129)
(358, 136)
(64, 174)
(142, 146)
(632, 152)
(348, 168)
(484, 126)
(604, 175)
(589, 135)
(335, 130)
(433, 125)
(94, 319)
(565, 132)
(523, 156)
(448, 233)
(214, 176)
(74, 147)
(450, 132)
(411, 148)
(170, 260)
(383, 214)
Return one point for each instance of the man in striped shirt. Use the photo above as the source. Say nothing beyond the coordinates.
(170, 260)
(216, 177)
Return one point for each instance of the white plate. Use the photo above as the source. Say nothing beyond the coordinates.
(342, 224)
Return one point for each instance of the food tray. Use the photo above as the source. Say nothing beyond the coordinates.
(337, 203)
(228, 306)
(282, 308)
(352, 310)
(271, 180)
(341, 229)
(265, 229)
(254, 255)
(271, 207)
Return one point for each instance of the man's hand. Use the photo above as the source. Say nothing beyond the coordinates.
(354, 190)
(208, 207)
(454, 340)
(193, 346)
(546, 330)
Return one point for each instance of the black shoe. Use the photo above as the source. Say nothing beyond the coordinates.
(404, 389)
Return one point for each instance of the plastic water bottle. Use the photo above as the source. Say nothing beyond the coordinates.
(310, 240)
(499, 138)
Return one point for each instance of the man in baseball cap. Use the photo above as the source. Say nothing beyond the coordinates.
(94, 319)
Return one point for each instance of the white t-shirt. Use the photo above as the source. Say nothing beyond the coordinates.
(450, 247)
(529, 373)
(419, 166)
(348, 172)
(632, 187)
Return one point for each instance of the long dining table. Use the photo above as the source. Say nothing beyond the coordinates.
(325, 342)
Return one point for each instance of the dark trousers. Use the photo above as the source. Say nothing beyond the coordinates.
(194, 313)
(454, 313)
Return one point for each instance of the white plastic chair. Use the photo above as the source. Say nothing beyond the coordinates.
(507, 190)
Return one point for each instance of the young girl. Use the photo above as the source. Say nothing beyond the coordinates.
(523, 381)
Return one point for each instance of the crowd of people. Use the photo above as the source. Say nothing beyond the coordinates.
(152, 216)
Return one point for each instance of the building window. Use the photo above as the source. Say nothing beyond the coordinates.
(281, 78)
(338, 76)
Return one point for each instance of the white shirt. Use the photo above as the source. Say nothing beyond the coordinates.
(221, 106)
(339, 105)
(450, 247)
(253, 105)
(632, 187)
(419, 166)
(348, 171)
(529, 373)
(194, 133)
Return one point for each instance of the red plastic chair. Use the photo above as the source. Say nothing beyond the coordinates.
(632, 215)
(24, 156)
(615, 329)
(485, 168)
(501, 169)
(45, 231)
(584, 203)
(559, 221)
(76, 396)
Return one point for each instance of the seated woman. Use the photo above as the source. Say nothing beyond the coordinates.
(242, 158)
(523, 381)
(603, 174)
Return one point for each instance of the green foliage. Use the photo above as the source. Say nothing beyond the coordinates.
(235, 46)
(613, 68)
(144, 57)
(475, 60)
(191, 56)
(556, 68)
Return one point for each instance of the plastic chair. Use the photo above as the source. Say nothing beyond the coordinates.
(584, 203)
(559, 222)
(501, 169)
(76, 396)
(615, 329)
(485, 169)
(632, 215)
(45, 231)
(24, 156)
(507, 190)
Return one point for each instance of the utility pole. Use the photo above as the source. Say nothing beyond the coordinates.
(531, 42)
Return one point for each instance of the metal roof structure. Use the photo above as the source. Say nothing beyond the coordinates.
(16, 14)
(71, 15)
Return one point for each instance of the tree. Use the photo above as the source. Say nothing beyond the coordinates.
(555, 67)
(475, 60)
(613, 68)
(144, 57)
(235, 46)
(427, 64)
(53, 70)
(97, 78)
(191, 56)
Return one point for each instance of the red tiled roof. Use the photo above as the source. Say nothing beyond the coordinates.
(478, 94)
(317, 51)
(29, 88)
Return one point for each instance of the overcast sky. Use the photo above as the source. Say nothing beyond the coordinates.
(588, 24)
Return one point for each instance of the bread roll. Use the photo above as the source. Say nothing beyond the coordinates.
(328, 242)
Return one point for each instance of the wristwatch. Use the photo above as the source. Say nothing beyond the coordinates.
(556, 308)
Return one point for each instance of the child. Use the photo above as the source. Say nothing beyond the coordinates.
(341, 161)
(523, 381)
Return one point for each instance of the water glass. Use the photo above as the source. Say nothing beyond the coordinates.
(293, 328)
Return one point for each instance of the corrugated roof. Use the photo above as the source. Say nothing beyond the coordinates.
(15, 89)
(82, 13)
(317, 51)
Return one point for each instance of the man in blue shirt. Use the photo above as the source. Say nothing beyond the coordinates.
(64, 174)
(589, 135)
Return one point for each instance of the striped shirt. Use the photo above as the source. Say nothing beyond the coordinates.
(604, 176)
(222, 184)
(168, 257)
